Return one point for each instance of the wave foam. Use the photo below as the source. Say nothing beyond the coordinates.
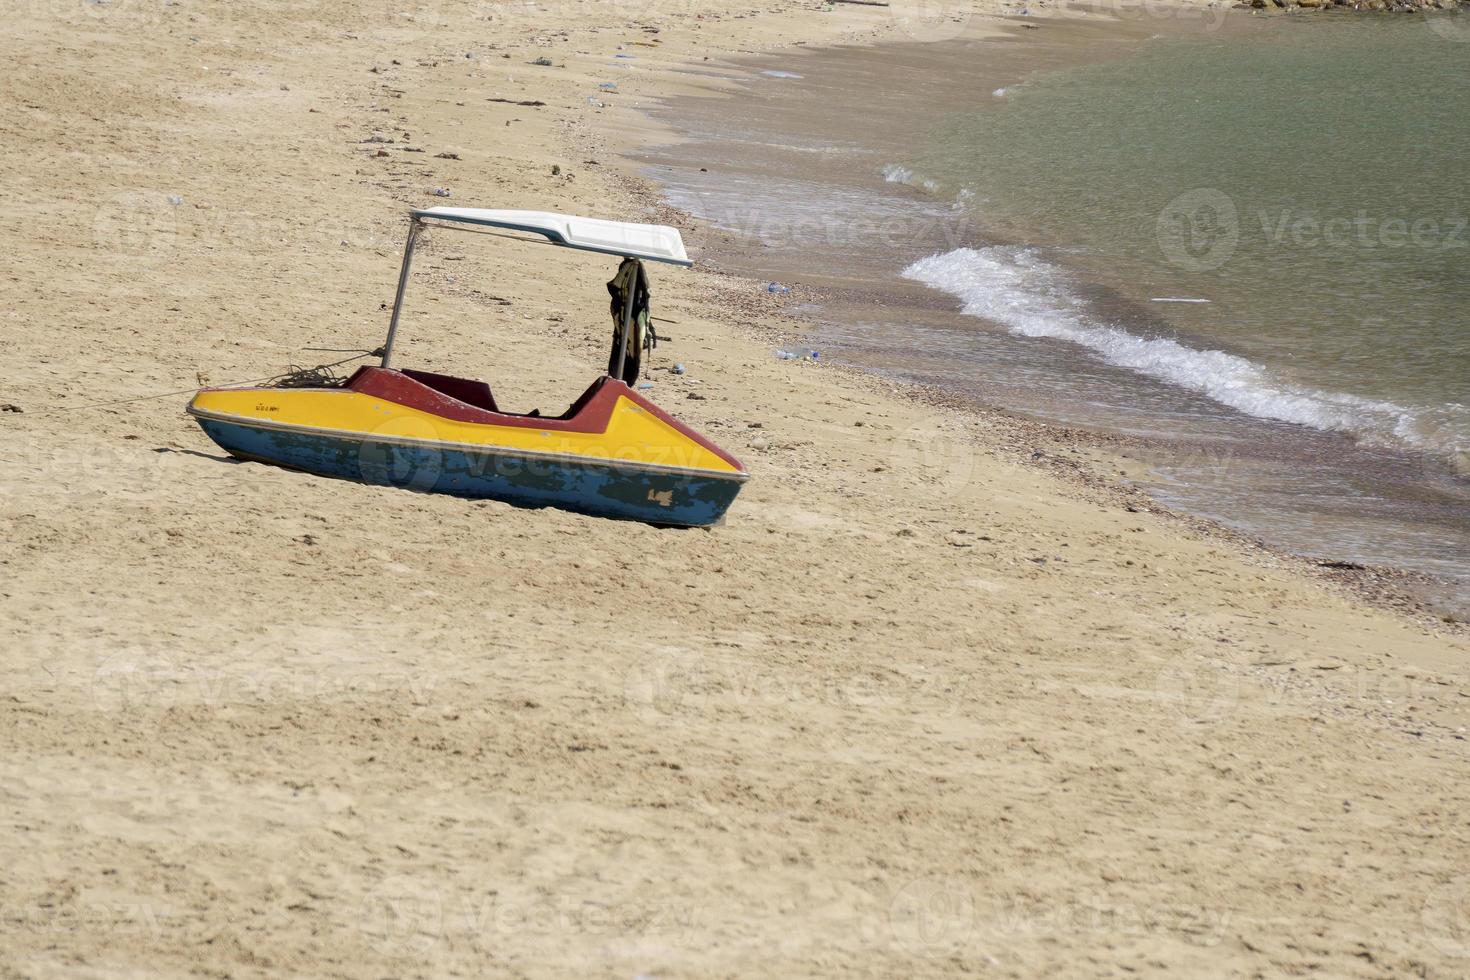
(895, 174)
(1025, 294)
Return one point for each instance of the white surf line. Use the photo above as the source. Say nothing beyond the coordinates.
(1018, 289)
(1175, 299)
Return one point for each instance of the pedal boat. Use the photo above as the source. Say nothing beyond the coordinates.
(613, 453)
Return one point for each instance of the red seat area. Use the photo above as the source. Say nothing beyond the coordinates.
(470, 401)
(476, 393)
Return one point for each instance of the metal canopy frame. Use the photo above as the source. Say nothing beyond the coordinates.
(416, 222)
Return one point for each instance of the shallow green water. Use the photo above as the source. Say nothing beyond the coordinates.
(1305, 180)
(1310, 183)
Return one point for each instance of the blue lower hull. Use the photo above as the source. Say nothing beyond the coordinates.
(597, 488)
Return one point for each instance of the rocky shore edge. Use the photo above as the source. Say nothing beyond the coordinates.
(1396, 6)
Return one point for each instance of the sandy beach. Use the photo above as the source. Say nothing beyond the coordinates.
(939, 698)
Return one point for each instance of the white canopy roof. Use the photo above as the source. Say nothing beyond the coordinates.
(659, 243)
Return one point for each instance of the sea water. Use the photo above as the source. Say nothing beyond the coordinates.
(1248, 247)
(1309, 183)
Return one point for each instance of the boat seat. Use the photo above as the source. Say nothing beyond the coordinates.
(583, 401)
(476, 393)
(474, 401)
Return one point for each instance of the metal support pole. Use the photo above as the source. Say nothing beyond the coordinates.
(413, 234)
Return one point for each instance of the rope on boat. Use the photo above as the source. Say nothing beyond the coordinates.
(322, 375)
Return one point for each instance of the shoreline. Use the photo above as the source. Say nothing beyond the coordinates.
(1422, 593)
(923, 704)
(1385, 587)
